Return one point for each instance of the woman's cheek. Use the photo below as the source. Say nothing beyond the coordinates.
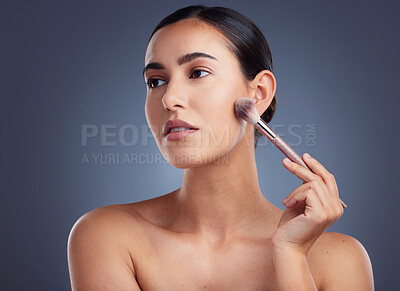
(227, 129)
(153, 116)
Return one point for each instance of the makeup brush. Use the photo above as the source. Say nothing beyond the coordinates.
(246, 110)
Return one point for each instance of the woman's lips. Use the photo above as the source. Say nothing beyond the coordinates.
(177, 129)
(176, 123)
(172, 136)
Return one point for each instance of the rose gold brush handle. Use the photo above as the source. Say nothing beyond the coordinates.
(283, 146)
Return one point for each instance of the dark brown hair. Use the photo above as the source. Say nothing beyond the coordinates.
(247, 42)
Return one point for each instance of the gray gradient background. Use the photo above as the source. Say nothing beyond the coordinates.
(69, 63)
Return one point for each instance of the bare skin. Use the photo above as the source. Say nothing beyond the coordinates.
(192, 261)
(218, 231)
(152, 254)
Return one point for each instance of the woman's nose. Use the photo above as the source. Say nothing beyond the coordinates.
(174, 98)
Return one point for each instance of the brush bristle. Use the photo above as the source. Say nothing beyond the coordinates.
(246, 110)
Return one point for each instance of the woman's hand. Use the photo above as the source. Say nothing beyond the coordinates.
(310, 208)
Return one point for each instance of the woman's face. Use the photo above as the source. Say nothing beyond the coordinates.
(200, 91)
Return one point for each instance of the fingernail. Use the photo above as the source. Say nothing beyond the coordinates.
(307, 156)
(286, 161)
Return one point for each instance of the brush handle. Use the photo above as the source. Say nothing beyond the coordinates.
(283, 147)
(288, 151)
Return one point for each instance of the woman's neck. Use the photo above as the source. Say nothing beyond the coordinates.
(222, 199)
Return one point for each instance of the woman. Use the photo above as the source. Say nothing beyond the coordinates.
(217, 231)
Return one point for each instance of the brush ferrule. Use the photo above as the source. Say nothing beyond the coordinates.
(265, 129)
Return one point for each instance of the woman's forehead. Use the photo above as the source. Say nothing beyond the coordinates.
(183, 37)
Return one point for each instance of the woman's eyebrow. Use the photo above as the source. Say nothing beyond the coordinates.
(191, 56)
(180, 61)
(155, 66)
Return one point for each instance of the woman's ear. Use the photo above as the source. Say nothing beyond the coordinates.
(264, 87)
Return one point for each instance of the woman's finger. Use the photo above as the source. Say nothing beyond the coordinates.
(319, 189)
(320, 170)
(303, 187)
(314, 209)
(313, 204)
(301, 172)
(306, 175)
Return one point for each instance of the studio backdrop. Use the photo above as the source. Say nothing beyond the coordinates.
(74, 136)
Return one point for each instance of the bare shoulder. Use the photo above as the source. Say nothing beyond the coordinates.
(155, 211)
(99, 253)
(343, 262)
(116, 218)
(106, 223)
(106, 215)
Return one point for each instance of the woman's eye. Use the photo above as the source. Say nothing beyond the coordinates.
(152, 83)
(196, 72)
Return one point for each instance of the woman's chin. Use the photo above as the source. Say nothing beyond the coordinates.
(185, 165)
(185, 160)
